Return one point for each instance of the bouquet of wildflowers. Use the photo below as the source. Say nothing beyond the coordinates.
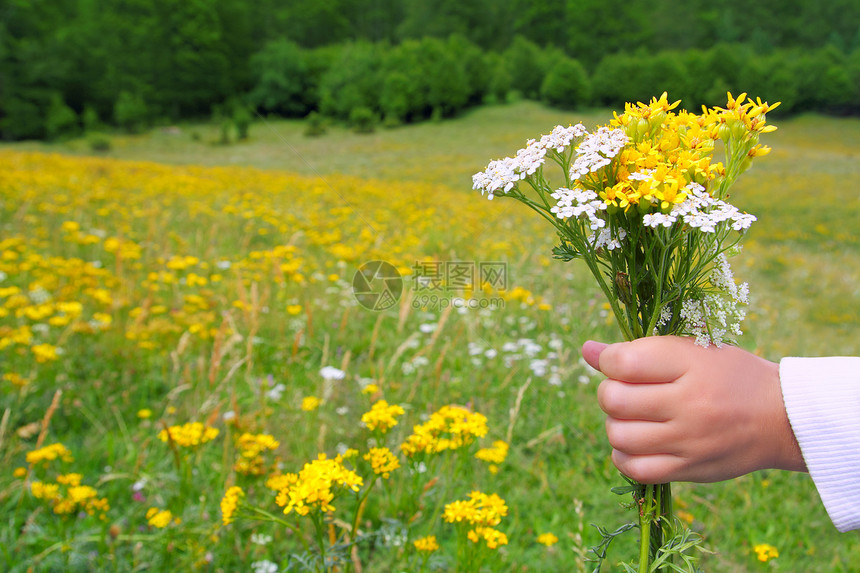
(643, 203)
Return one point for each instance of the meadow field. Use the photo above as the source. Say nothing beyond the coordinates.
(178, 318)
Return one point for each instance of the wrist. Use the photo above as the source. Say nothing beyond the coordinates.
(788, 455)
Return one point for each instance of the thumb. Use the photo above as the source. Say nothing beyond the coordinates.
(591, 352)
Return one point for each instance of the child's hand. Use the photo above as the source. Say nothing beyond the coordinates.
(680, 412)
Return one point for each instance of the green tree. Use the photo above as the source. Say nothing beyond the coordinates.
(282, 81)
(566, 85)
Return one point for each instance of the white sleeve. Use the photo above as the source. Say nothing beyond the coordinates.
(822, 398)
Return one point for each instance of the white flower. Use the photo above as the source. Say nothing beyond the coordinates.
(261, 539)
(276, 392)
(427, 327)
(597, 150)
(265, 566)
(332, 373)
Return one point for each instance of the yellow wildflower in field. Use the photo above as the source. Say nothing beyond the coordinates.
(230, 504)
(188, 435)
(382, 416)
(370, 389)
(72, 498)
(310, 403)
(426, 544)
(72, 479)
(382, 461)
(49, 453)
(480, 509)
(144, 413)
(548, 539)
(48, 491)
(316, 486)
(495, 454)
(450, 428)
(493, 537)
(44, 352)
(159, 518)
(16, 379)
(251, 447)
(765, 552)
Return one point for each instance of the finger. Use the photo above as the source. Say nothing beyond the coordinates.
(660, 468)
(640, 438)
(591, 352)
(648, 402)
(652, 359)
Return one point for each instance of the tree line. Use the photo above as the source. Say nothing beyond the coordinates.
(67, 66)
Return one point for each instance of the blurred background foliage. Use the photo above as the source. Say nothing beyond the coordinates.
(69, 66)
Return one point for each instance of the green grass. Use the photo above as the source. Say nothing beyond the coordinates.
(801, 261)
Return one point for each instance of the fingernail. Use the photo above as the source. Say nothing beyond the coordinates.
(591, 352)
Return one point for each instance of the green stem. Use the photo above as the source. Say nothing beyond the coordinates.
(646, 517)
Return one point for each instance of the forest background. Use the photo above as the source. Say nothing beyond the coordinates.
(70, 66)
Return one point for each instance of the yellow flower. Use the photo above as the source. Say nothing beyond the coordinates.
(370, 389)
(144, 413)
(16, 379)
(49, 453)
(72, 479)
(382, 461)
(294, 309)
(19, 472)
(230, 504)
(310, 403)
(494, 455)
(315, 487)
(42, 490)
(450, 428)
(480, 509)
(159, 518)
(188, 435)
(426, 544)
(44, 352)
(765, 552)
(548, 539)
(493, 537)
(382, 416)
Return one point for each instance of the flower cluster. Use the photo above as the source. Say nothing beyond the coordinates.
(765, 552)
(483, 512)
(449, 428)
(68, 496)
(643, 203)
(382, 461)
(382, 416)
(316, 485)
(426, 544)
(160, 518)
(230, 504)
(188, 435)
(494, 455)
(49, 453)
(251, 448)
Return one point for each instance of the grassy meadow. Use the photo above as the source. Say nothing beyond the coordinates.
(172, 280)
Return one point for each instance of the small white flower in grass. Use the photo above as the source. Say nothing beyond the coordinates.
(276, 392)
(332, 373)
(261, 539)
(427, 327)
(264, 566)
